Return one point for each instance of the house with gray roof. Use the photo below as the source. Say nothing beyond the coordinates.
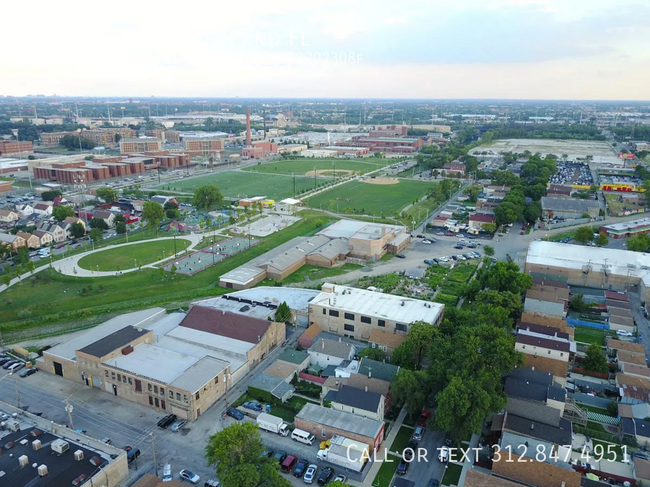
(276, 386)
(377, 370)
(324, 352)
(361, 402)
(569, 208)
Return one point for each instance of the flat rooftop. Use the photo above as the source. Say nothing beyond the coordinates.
(237, 307)
(298, 299)
(631, 225)
(618, 262)
(380, 305)
(342, 420)
(117, 339)
(348, 228)
(66, 349)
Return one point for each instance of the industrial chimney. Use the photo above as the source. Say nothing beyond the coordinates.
(248, 127)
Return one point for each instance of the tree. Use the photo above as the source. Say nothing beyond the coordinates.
(120, 227)
(71, 142)
(77, 230)
(420, 336)
(31, 266)
(23, 255)
(152, 213)
(639, 243)
(96, 234)
(472, 192)
(373, 354)
(61, 212)
(408, 388)
(172, 213)
(489, 250)
(595, 360)
(173, 270)
(118, 137)
(51, 194)
(109, 195)
(489, 227)
(170, 205)
(98, 223)
(584, 235)
(532, 212)
(505, 276)
(602, 239)
(283, 313)
(6, 279)
(207, 197)
(506, 213)
(403, 355)
(236, 452)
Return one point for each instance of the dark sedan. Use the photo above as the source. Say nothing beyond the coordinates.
(234, 413)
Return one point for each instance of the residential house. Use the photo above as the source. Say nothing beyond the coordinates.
(357, 381)
(278, 387)
(454, 168)
(474, 478)
(378, 370)
(107, 216)
(641, 471)
(326, 352)
(13, 240)
(535, 386)
(385, 341)
(44, 237)
(477, 220)
(32, 241)
(54, 229)
(537, 473)
(43, 208)
(634, 370)
(357, 401)
(25, 210)
(69, 221)
(638, 429)
(614, 345)
(8, 216)
(306, 339)
(636, 411)
(298, 358)
(627, 357)
(284, 370)
(568, 208)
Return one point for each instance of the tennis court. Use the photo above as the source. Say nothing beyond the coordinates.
(208, 256)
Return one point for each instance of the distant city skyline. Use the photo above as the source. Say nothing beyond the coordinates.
(472, 49)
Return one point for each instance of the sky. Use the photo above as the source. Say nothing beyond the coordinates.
(506, 49)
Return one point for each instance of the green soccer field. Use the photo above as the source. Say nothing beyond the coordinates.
(240, 184)
(370, 199)
(303, 166)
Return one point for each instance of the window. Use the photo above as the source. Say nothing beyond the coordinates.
(196, 396)
(162, 391)
(324, 311)
(157, 402)
(155, 389)
(216, 380)
(365, 319)
(178, 396)
(113, 375)
(185, 397)
(349, 316)
(334, 313)
(381, 323)
(171, 394)
(401, 327)
(149, 387)
(162, 404)
(130, 381)
(124, 379)
(150, 401)
(106, 373)
(138, 385)
(119, 377)
(347, 327)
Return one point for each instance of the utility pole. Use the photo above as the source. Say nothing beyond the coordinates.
(68, 409)
(16, 390)
(294, 184)
(153, 449)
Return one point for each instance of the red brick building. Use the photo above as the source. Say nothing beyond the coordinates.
(141, 144)
(389, 144)
(203, 146)
(8, 147)
(389, 131)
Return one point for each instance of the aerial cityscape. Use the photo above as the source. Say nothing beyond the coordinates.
(352, 245)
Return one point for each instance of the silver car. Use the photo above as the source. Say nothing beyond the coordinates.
(179, 425)
(310, 474)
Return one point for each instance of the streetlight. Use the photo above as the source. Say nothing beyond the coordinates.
(79, 137)
(212, 249)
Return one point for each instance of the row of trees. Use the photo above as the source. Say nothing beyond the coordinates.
(458, 366)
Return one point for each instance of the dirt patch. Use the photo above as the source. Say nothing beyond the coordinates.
(329, 172)
(381, 181)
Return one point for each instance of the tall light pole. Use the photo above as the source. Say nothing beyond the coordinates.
(79, 137)
(79, 183)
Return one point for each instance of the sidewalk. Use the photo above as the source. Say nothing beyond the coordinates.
(468, 464)
(397, 424)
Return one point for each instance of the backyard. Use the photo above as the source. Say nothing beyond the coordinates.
(133, 255)
(589, 335)
(452, 474)
(371, 199)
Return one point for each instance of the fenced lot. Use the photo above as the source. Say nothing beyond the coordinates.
(208, 256)
(307, 166)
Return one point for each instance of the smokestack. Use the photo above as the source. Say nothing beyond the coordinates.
(248, 127)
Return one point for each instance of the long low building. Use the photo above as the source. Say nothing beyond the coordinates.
(568, 208)
(178, 363)
(627, 229)
(355, 313)
(596, 267)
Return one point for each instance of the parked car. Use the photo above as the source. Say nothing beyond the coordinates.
(418, 433)
(449, 234)
(212, 483)
(4, 360)
(403, 467)
(427, 241)
(400, 256)
(420, 236)
(253, 405)
(424, 418)
(166, 421)
(441, 234)
(16, 367)
(235, 414)
(178, 425)
(280, 456)
(623, 333)
(299, 469)
(310, 473)
(443, 455)
(10, 363)
(325, 476)
(428, 262)
(458, 246)
(189, 476)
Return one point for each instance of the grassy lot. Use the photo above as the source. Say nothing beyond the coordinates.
(239, 184)
(132, 255)
(303, 166)
(401, 439)
(452, 474)
(589, 335)
(131, 291)
(611, 451)
(312, 273)
(594, 409)
(375, 199)
(386, 472)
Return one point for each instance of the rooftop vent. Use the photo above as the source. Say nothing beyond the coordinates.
(42, 470)
(127, 350)
(23, 461)
(36, 445)
(78, 455)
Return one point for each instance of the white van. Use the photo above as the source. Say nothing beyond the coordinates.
(45, 252)
(167, 473)
(302, 437)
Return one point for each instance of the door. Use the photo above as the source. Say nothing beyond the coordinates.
(114, 390)
(58, 369)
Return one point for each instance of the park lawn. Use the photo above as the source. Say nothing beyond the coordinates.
(370, 199)
(130, 291)
(419, 212)
(402, 439)
(241, 184)
(144, 253)
(312, 273)
(300, 167)
(386, 471)
(452, 474)
(589, 335)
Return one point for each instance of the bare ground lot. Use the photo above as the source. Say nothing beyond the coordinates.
(600, 151)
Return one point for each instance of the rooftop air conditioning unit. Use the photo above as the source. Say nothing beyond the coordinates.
(23, 461)
(42, 470)
(36, 445)
(78, 455)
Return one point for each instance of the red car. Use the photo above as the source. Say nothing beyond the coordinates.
(450, 234)
(424, 418)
